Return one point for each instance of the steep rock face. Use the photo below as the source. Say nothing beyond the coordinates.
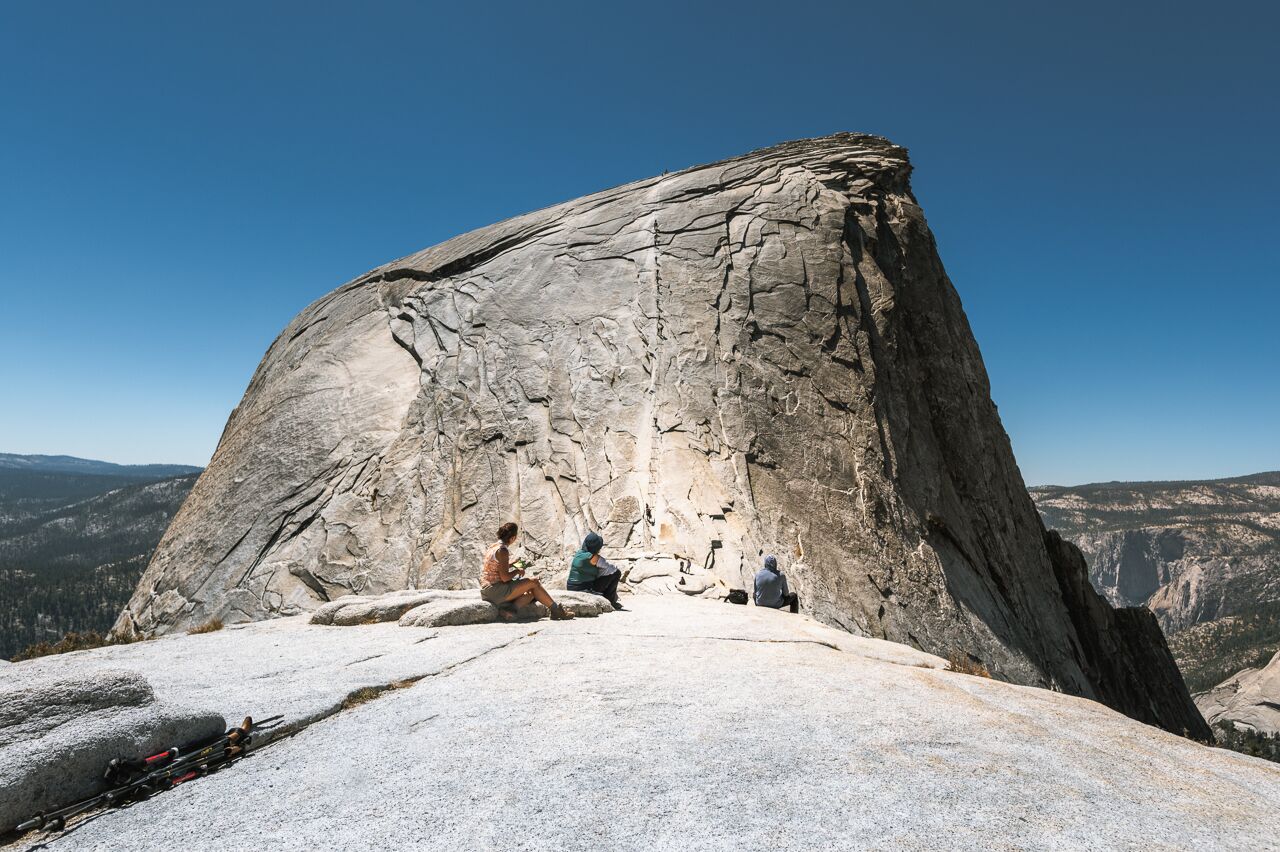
(1122, 649)
(759, 355)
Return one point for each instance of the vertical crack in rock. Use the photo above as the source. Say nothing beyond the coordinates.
(758, 355)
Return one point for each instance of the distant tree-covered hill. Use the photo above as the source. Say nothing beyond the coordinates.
(71, 464)
(75, 536)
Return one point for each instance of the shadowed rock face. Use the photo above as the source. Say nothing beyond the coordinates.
(760, 355)
(1122, 651)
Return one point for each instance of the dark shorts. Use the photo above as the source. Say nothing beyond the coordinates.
(496, 593)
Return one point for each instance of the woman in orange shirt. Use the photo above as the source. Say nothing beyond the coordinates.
(503, 583)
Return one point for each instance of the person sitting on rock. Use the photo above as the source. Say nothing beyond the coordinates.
(591, 572)
(504, 584)
(771, 587)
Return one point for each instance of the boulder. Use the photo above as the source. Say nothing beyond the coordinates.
(1250, 699)
(658, 573)
(360, 609)
(452, 613)
(649, 565)
(760, 355)
(441, 608)
(57, 735)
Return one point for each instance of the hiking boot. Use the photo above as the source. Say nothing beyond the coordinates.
(559, 613)
(617, 605)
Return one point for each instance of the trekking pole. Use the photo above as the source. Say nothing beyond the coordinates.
(154, 781)
(167, 769)
(121, 770)
(206, 767)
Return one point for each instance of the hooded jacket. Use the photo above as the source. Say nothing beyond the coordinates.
(581, 570)
(771, 585)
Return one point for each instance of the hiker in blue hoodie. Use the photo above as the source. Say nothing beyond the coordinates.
(591, 572)
(771, 587)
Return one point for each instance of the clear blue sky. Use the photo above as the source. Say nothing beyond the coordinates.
(177, 182)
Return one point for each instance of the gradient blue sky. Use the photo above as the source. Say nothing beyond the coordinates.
(176, 182)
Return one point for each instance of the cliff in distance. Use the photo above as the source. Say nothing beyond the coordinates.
(1250, 699)
(759, 355)
(1203, 556)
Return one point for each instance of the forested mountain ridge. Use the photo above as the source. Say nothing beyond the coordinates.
(73, 544)
(73, 464)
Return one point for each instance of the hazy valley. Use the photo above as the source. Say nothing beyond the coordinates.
(75, 535)
(1203, 556)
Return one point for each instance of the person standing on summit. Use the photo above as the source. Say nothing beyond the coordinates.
(771, 587)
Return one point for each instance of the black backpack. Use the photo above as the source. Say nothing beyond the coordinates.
(737, 596)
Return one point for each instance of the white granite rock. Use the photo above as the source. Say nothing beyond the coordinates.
(1250, 699)
(440, 608)
(761, 355)
(679, 724)
(448, 613)
(58, 732)
(372, 609)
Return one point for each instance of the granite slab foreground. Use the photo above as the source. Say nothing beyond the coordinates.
(660, 727)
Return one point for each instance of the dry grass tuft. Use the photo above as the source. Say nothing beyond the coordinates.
(210, 626)
(365, 694)
(72, 642)
(967, 664)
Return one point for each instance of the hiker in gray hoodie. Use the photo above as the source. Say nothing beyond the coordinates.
(771, 587)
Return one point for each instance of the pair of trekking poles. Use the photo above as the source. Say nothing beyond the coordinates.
(135, 778)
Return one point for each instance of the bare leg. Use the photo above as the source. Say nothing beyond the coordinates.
(530, 587)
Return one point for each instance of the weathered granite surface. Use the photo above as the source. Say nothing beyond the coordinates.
(59, 731)
(758, 355)
(661, 728)
(1250, 699)
(440, 608)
